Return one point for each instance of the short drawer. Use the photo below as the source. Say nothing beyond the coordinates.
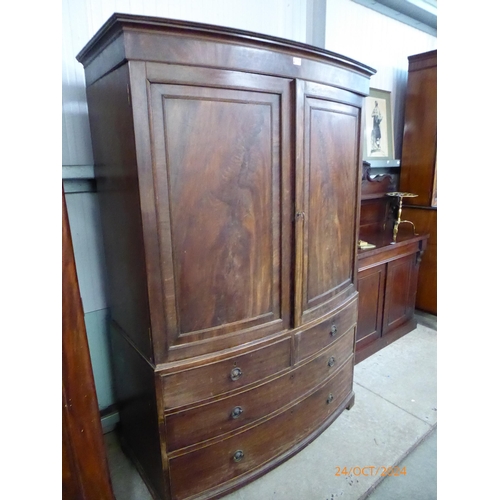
(211, 466)
(310, 341)
(209, 420)
(203, 382)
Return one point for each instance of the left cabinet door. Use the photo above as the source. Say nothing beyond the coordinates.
(371, 286)
(220, 154)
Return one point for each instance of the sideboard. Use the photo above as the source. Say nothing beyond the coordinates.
(387, 272)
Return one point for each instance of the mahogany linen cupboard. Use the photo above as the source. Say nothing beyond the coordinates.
(228, 166)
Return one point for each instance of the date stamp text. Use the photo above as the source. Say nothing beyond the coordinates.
(370, 470)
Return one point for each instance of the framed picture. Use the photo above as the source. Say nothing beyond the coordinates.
(379, 136)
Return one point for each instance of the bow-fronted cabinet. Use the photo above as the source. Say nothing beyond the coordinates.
(228, 168)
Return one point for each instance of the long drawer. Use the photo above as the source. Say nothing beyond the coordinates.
(211, 466)
(209, 420)
(196, 384)
(310, 341)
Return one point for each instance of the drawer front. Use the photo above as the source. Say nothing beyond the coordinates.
(218, 463)
(196, 384)
(203, 422)
(313, 339)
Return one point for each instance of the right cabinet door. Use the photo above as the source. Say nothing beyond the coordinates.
(399, 292)
(327, 161)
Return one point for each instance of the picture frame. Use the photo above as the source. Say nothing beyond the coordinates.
(378, 137)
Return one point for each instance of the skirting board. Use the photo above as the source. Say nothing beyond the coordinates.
(109, 421)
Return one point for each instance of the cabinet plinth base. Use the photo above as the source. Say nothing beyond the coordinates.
(384, 341)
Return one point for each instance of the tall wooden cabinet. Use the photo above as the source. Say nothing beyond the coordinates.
(228, 166)
(419, 167)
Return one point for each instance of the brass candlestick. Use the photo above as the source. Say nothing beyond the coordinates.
(400, 195)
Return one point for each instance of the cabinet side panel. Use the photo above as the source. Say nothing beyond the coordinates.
(116, 172)
(139, 425)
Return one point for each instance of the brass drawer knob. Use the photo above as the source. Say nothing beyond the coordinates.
(236, 373)
(331, 361)
(329, 399)
(237, 411)
(238, 456)
(333, 330)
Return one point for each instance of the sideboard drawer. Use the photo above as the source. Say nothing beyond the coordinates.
(196, 384)
(212, 419)
(213, 465)
(313, 339)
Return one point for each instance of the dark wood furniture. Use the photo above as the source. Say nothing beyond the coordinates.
(85, 473)
(419, 167)
(228, 166)
(387, 274)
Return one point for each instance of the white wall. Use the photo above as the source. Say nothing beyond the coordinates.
(82, 18)
(380, 42)
(350, 29)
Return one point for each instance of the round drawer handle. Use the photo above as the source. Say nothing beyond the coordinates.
(238, 456)
(236, 373)
(237, 411)
(333, 330)
(331, 361)
(329, 399)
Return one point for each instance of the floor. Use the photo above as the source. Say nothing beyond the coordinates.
(384, 448)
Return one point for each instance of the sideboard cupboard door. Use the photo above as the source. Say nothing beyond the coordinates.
(328, 169)
(400, 292)
(371, 287)
(222, 183)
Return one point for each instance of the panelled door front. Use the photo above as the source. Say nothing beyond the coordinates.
(327, 193)
(371, 286)
(222, 184)
(400, 292)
